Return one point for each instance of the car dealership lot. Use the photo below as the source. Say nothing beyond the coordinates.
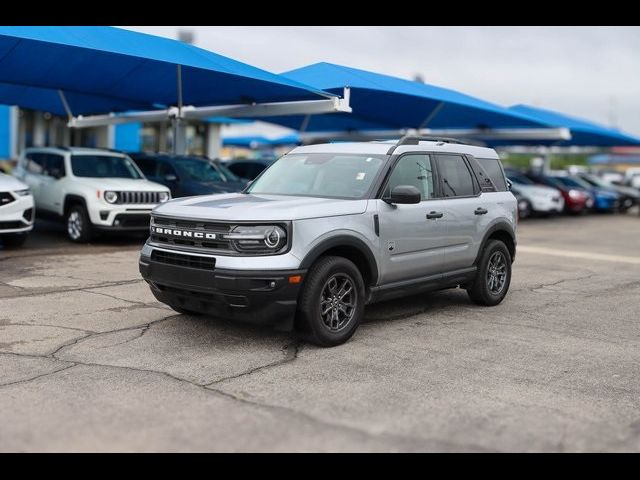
(90, 361)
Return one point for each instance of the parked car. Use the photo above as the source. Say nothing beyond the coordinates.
(248, 168)
(576, 199)
(524, 205)
(16, 211)
(604, 200)
(330, 228)
(632, 177)
(90, 189)
(543, 199)
(628, 196)
(187, 175)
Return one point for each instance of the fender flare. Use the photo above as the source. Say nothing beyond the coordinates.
(343, 241)
(500, 226)
(72, 198)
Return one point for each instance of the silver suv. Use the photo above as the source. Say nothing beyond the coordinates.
(330, 228)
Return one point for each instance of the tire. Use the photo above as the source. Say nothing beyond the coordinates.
(14, 240)
(78, 224)
(524, 209)
(482, 291)
(330, 275)
(184, 311)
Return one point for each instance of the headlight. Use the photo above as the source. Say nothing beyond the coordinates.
(258, 239)
(575, 194)
(111, 197)
(23, 193)
(164, 197)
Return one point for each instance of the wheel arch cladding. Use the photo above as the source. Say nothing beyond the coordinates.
(350, 248)
(71, 200)
(500, 231)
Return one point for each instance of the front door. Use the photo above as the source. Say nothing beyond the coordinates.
(412, 237)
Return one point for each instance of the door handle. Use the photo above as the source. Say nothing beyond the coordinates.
(434, 215)
(481, 211)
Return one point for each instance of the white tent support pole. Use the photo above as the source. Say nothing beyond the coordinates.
(65, 104)
(214, 140)
(306, 107)
(431, 116)
(179, 125)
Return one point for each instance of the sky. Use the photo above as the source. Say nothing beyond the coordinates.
(591, 72)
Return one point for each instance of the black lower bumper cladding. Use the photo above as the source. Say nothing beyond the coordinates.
(259, 297)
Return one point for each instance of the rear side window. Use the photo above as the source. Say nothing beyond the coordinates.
(36, 163)
(456, 177)
(494, 170)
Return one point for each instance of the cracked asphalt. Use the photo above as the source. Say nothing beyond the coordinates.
(89, 361)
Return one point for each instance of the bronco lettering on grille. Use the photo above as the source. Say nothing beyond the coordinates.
(183, 233)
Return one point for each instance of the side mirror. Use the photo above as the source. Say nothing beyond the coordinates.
(170, 178)
(509, 184)
(404, 195)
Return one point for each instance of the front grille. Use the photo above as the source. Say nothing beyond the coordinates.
(5, 198)
(11, 225)
(196, 226)
(555, 199)
(183, 260)
(139, 198)
(128, 220)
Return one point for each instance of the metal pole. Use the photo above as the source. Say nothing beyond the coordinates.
(179, 128)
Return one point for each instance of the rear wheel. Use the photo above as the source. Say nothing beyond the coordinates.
(13, 240)
(494, 275)
(78, 224)
(332, 302)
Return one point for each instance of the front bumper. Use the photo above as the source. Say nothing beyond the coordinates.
(17, 216)
(547, 204)
(260, 297)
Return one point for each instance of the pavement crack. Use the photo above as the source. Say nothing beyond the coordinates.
(134, 302)
(291, 351)
(560, 282)
(42, 375)
(73, 289)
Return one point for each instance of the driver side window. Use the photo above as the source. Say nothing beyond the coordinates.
(415, 170)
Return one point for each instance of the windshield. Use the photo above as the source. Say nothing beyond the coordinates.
(198, 170)
(104, 166)
(521, 179)
(329, 175)
(595, 181)
(230, 176)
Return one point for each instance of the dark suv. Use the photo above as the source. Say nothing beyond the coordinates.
(188, 176)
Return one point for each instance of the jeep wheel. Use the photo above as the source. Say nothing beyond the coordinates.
(78, 224)
(13, 240)
(494, 275)
(332, 302)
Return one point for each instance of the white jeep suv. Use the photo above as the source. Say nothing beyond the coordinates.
(91, 189)
(16, 211)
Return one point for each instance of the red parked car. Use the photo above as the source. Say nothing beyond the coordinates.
(576, 200)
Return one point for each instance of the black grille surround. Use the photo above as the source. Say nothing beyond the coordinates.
(138, 198)
(183, 260)
(12, 225)
(6, 198)
(220, 244)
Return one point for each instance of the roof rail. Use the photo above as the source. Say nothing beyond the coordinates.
(416, 139)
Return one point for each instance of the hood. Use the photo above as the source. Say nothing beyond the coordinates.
(629, 191)
(241, 207)
(11, 184)
(537, 190)
(122, 184)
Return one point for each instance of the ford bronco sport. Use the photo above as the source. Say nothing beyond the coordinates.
(329, 228)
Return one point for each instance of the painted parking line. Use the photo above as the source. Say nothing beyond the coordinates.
(573, 254)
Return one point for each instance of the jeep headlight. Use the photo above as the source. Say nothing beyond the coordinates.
(258, 239)
(111, 197)
(164, 197)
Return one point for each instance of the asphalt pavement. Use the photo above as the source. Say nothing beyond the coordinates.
(89, 361)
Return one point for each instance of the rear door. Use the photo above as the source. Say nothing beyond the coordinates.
(464, 211)
(50, 192)
(412, 237)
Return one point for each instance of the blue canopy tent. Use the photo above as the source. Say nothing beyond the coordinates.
(381, 102)
(80, 71)
(106, 69)
(583, 132)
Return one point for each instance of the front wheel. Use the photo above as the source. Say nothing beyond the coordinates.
(332, 302)
(78, 224)
(494, 275)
